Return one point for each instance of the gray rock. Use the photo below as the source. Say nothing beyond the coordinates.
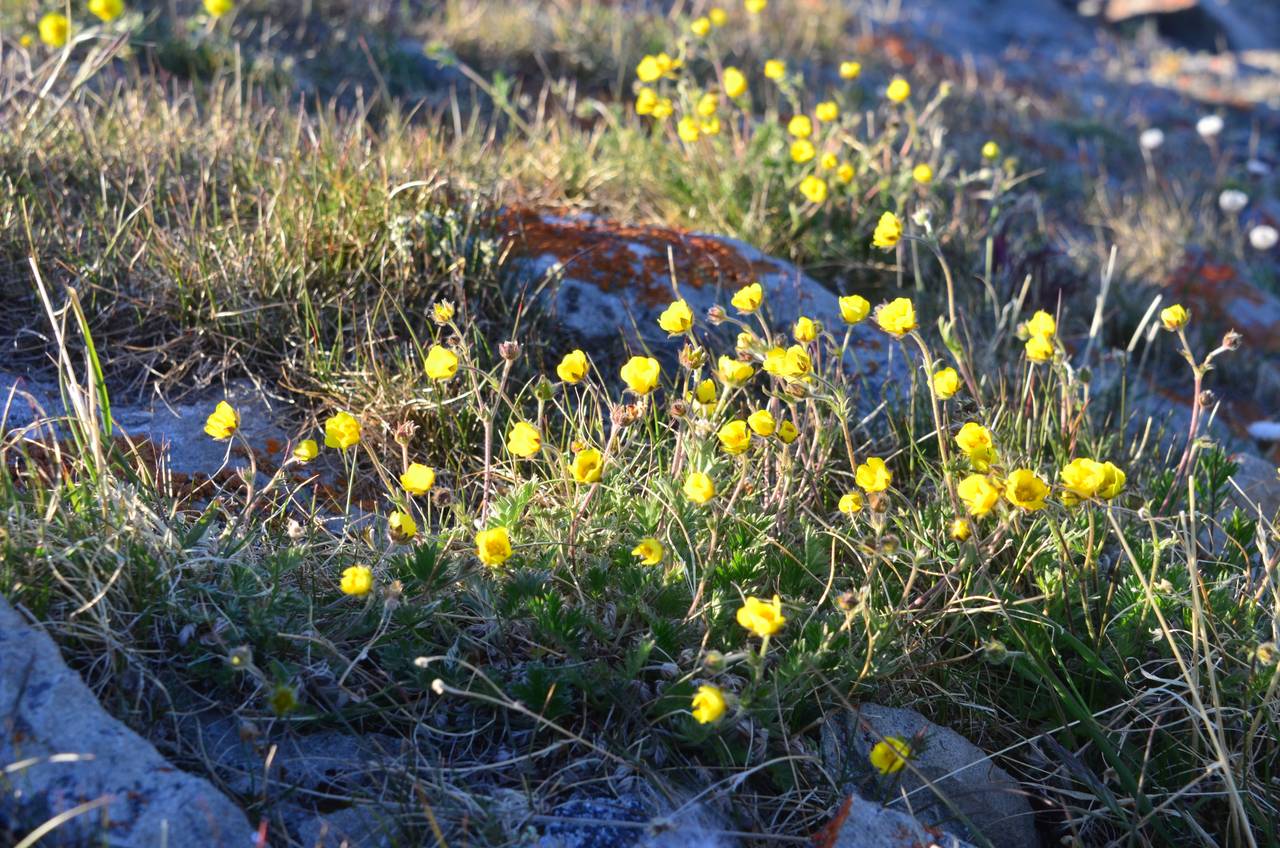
(629, 822)
(1256, 485)
(866, 824)
(354, 827)
(608, 282)
(961, 775)
(60, 749)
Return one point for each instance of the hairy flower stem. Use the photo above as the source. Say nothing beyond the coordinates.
(940, 431)
(489, 416)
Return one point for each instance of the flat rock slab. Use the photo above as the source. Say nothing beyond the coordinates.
(865, 824)
(608, 282)
(62, 750)
(961, 775)
(629, 822)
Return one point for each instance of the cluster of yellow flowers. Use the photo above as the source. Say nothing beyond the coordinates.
(1083, 479)
(54, 28)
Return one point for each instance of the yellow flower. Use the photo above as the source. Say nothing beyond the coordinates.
(524, 440)
(828, 161)
(1174, 317)
(687, 129)
(787, 432)
(699, 488)
(357, 580)
(946, 383)
(646, 100)
(54, 29)
(734, 372)
(851, 503)
(890, 755)
(897, 317)
(676, 318)
(755, 7)
(418, 479)
(734, 437)
(106, 10)
(26, 41)
(493, 546)
(573, 368)
(1024, 489)
(979, 494)
(802, 150)
(775, 69)
(775, 361)
(804, 330)
(960, 529)
(700, 27)
(663, 109)
(707, 104)
(922, 173)
(649, 550)
(1115, 480)
(844, 173)
(748, 298)
(1039, 349)
(873, 475)
(898, 90)
(705, 392)
(711, 126)
(649, 70)
(854, 308)
(800, 126)
(587, 466)
(827, 110)
(763, 618)
(341, 431)
(442, 312)
(813, 188)
(761, 423)
(402, 527)
(442, 363)
(1042, 324)
(990, 151)
(306, 451)
(223, 422)
(975, 440)
(218, 8)
(735, 84)
(745, 340)
(888, 231)
(795, 363)
(850, 70)
(1083, 477)
(719, 17)
(641, 374)
(708, 704)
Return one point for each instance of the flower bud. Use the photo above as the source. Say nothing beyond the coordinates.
(716, 315)
(1232, 340)
(692, 356)
(679, 408)
(404, 432)
(543, 390)
(1207, 398)
(1267, 653)
(713, 661)
(995, 652)
(509, 350)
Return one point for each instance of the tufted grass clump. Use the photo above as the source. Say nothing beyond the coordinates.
(538, 567)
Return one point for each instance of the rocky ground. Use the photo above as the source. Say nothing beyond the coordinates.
(599, 278)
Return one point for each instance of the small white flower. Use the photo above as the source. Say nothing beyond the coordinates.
(1209, 126)
(1151, 139)
(1232, 200)
(1257, 167)
(1263, 237)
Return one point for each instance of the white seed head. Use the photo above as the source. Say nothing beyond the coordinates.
(1232, 200)
(1210, 126)
(1151, 139)
(1263, 237)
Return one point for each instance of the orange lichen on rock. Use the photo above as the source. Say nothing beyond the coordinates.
(1215, 291)
(643, 259)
